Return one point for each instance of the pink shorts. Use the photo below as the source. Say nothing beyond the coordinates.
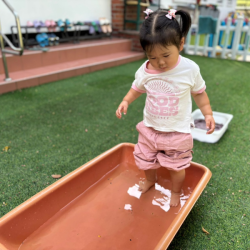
(155, 149)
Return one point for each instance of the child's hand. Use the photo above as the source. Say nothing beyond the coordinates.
(210, 124)
(123, 107)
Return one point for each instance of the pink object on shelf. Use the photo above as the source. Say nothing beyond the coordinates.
(30, 24)
(47, 23)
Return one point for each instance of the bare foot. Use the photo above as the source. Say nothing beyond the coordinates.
(144, 186)
(175, 199)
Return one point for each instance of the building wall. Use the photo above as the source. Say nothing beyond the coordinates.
(74, 10)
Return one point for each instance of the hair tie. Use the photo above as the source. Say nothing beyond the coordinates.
(147, 12)
(171, 14)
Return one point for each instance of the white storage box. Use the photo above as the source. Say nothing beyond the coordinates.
(220, 118)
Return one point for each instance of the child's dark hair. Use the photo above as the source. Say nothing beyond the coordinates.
(158, 29)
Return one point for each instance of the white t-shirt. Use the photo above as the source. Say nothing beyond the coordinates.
(168, 104)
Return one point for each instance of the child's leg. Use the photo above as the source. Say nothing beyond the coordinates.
(177, 179)
(150, 181)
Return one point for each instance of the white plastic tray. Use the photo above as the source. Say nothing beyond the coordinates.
(200, 134)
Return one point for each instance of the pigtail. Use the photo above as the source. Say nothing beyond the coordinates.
(161, 27)
(185, 22)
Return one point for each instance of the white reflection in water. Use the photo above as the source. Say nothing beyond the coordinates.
(133, 191)
(128, 207)
(163, 190)
(164, 202)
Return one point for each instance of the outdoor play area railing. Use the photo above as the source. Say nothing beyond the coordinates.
(14, 51)
(213, 46)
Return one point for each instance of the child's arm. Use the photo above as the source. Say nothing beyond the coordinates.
(129, 98)
(203, 103)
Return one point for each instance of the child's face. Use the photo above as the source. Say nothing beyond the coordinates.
(164, 58)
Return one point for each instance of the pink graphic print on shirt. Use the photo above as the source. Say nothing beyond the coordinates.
(161, 98)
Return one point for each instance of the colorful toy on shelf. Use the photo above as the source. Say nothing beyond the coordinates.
(51, 25)
(42, 39)
(38, 25)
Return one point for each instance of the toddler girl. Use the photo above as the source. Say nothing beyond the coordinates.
(169, 80)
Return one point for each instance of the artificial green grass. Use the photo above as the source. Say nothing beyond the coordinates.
(57, 127)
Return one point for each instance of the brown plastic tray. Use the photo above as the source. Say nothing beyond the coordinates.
(85, 209)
